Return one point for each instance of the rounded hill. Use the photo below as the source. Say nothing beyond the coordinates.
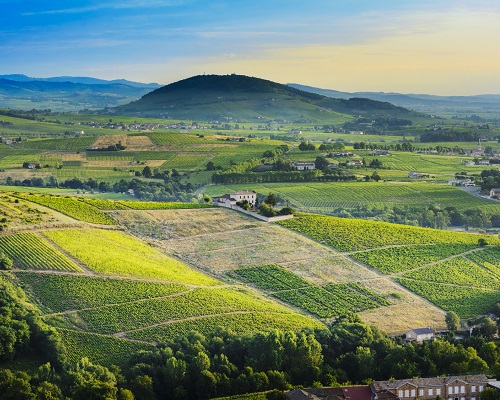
(244, 98)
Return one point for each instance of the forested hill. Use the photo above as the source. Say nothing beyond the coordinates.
(242, 97)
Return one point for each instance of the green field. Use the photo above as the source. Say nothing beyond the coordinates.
(329, 196)
(60, 293)
(71, 207)
(29, 251)
(398, 259)
(465, 301)
(130, 256)
(352, 235)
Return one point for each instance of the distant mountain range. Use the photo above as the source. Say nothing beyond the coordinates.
(243, 98)
(79, 79)
(431, 104)
(67, 93)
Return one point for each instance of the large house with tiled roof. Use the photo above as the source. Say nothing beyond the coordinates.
(464, 387)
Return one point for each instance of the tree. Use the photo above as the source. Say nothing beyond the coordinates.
(482, 242)
(452, 321)
(146, 172)
(207, 199)
(210, 166)
(376, 177)
(271, 200)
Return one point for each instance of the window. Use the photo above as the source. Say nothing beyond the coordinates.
(462, 389)
(456, 389)
(481, 388)
(473, 389)
(438, 392)
(400, 393)
(413, 393)
(431, 392)
(407, 393)
(450, 390)
(420, 392)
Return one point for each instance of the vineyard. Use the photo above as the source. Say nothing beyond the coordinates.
(60, 293)
(398, 259)
(243, 322)
(105, 350)
(457, 271)
(465, 301)
(328, 196)
(325, 302)
(353, 235)
(332, 300)
(103, 204)
(115, 253)
(195, 303)
(72, 207)
(29, 251)
(271, 277)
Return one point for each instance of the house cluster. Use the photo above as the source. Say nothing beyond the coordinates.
(230, 200)
(461, 182)
(380, 153)
(464, 387)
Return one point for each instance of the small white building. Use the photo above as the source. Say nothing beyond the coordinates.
(420, 334)
(304, 165)
(495, 192)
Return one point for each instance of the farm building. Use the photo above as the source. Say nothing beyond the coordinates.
(419, 335)
(354, 163)
(230, 200)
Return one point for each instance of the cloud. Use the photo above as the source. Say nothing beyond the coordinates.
(130, 4)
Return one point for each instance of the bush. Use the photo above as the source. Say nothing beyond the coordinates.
(286, 211)
(5, 262)
(266, 210)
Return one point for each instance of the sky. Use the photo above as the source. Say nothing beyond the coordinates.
(444, 47)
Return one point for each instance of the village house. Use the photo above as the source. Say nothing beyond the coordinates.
(484, 161)
(495, 192)
(304, 165)
(294, 132)
(417, 175)
(230, 200)
(420, 334)
(354, 163)
(466, 387)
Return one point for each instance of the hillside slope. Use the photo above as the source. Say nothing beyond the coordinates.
(243, 98)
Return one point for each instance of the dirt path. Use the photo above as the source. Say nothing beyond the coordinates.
(170, 321)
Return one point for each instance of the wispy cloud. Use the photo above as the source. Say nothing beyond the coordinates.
(130, 4)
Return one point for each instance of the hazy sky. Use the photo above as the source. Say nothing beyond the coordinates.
(409, 46)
